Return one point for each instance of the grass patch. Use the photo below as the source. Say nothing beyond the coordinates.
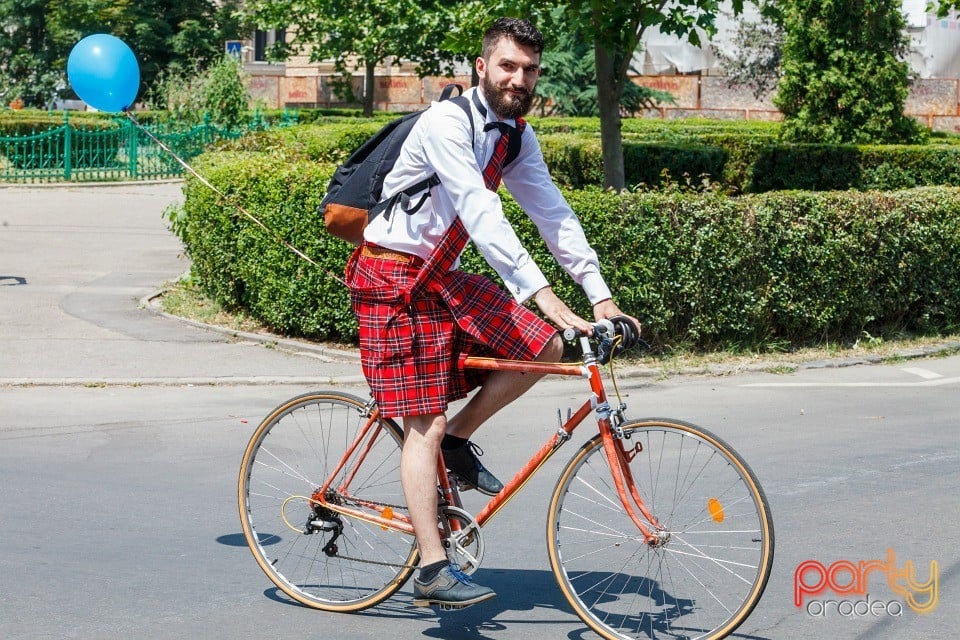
(889, 350)
(184, 299)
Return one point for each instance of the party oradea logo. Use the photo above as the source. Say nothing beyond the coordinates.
(858, 588)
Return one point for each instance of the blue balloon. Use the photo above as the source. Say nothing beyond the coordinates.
(104, 72)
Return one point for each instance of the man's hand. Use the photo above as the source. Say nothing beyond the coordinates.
(607, 309)
(558, 312)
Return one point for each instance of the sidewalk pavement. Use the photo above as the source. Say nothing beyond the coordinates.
(78, 266)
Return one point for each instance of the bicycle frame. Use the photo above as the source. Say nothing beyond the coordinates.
(608, 420)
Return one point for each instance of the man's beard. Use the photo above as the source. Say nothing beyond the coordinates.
(505, 104)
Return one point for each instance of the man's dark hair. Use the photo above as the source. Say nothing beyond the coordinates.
(520, 31)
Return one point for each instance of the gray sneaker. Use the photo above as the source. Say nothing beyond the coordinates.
(451, 589)
(465, 462)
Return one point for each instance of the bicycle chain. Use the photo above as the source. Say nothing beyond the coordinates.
(378, 562)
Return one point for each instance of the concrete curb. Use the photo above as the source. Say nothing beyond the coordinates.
(335, 355)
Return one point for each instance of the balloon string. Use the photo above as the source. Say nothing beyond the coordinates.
(227, 199)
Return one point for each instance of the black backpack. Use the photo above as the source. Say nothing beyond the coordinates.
(353, 194)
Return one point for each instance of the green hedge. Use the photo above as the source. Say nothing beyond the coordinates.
(748, 159)
(703, 270)
(330, 143)
(26, 123)
(242, 266)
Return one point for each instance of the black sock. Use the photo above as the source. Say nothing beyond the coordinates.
(429, 572)
(452, 442)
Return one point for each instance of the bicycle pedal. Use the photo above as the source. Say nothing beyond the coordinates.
(459, 483)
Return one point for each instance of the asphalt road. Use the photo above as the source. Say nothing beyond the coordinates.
(121, 433)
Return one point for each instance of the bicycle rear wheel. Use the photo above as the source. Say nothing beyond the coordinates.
(318, 557)
(710, 571)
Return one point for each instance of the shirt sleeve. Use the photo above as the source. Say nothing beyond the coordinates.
(462, 188)
(531, 185)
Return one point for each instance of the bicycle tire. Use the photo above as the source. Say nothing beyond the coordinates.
(289, 457)
(701, 583)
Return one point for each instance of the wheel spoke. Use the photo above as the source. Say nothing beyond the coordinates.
(714, 556)
(336, 562)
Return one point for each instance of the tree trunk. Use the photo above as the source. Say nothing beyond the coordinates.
(609, 91)
(368, 89)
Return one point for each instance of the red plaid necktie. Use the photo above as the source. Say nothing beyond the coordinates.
(494, 169)
(451, 245)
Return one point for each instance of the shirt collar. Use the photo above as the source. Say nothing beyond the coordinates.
(490, 117)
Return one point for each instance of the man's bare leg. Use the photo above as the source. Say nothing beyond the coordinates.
(500, 389)
(418, 476)
(439, 582)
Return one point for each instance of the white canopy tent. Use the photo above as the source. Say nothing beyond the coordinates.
(935, 45)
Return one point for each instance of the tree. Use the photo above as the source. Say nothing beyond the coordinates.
(177, 36)
(217, 93)
(757, 50)
(943, 7)
(615, 30)
(36, 37)
(844, 75)
(27, 62)
(568, 85)
(361, 33)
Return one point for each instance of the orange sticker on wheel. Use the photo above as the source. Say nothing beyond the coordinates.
(716, 509)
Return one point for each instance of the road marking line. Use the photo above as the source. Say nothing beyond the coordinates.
(939, 382)
(926, 374)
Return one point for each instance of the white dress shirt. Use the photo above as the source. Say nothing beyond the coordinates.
(440, 143)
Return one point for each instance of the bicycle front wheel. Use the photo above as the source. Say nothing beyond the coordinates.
(316, 556)
(715, 553)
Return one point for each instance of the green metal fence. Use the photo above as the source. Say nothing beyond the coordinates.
(120, 152)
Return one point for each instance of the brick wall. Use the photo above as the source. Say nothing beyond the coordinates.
(935, 102)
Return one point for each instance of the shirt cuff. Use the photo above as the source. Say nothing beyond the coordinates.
(526, 281)
(595, 287)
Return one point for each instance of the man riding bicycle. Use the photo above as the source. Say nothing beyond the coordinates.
(419, 316)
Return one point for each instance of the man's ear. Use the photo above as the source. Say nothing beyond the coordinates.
(481, 65)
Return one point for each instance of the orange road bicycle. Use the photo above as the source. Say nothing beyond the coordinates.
(656, 528)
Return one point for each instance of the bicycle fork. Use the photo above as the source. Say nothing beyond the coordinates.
(618, 458)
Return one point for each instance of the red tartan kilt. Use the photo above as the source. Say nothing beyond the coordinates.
(412, 347)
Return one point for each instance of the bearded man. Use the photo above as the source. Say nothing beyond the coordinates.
(419, 316)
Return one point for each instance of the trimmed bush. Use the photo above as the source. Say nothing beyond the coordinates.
(747, 160)
(574, 161)
(330, 143)
(704, 270)
(241, 265)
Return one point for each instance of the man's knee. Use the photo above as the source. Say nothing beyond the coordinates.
(429, 427)
(553, 351)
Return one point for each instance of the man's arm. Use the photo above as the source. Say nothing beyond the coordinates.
(561, 315)
(531, 185)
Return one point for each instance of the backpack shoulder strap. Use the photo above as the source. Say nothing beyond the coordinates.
(464, 104)
(403, 197)
(448, 90)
